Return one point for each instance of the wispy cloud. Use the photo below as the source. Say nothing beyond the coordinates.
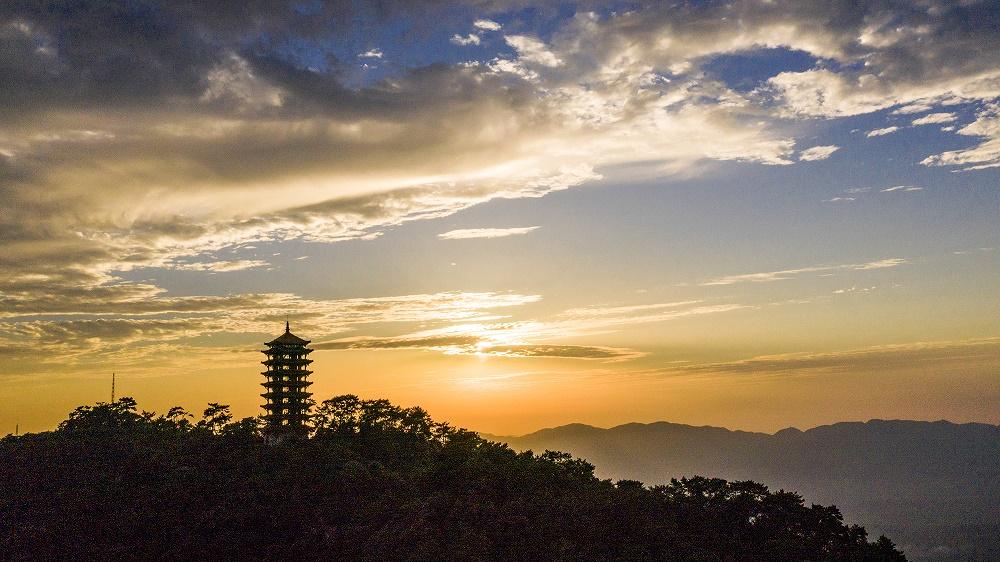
(914, 107)
(882, 132)
(974, 353)
(533, 50)
(856, 192)
(972, 251)
(784, 274)
(935, 118)
(218, 266)
(467, 233)
(371, 54)
(481, 346)
(486, 25)
(818, 153)
(982, 156)
(854, 289)
(136, 328)
(470, 39)
(538, 338)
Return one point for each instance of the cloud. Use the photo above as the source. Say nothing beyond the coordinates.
(915, 56)
(429, 342)
(473, 345)
(467, 233)
(785, 274)
(854, 289)
(86, 333)
(926, 356)
(219, 266)
(486, 25)
(347, 163)
(818, 153)
(823, 93)
(563, 351)
(982, 156)
(839, 200)
(375, 53)
(136, 326)
(597, 320)
(935, 118)
(915, 107)
(219, 130)
(901, 188)
(972, 251)
(532, 50)
(470, 39)
(537, 338)
(234, 82)
(135, 299)
(206, 128)
(880, 264)
(882, 132)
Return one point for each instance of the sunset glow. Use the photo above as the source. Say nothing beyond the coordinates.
(747, 214)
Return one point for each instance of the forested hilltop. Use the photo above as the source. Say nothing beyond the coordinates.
(934, 487)
(373, 482)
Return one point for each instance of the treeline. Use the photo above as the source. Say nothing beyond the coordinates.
(373, 482)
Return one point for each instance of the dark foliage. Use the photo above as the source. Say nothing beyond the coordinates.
(374, 482)
(934, 487)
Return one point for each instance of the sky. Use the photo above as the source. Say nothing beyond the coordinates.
(514, 214)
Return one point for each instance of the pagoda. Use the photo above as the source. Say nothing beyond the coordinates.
(285, 385)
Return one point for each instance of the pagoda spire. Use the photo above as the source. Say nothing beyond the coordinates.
(287, 401)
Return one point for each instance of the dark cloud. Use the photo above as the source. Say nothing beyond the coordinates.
(80, 54)
(86, 53)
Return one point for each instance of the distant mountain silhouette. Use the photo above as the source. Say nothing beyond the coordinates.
(932, 486)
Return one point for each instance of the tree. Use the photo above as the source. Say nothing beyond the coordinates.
(215, 418)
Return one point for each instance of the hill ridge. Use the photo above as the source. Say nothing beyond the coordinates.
(744, 431)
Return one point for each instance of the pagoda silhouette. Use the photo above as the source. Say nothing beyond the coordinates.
(286, 380)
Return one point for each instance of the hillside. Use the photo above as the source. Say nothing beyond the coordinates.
(373, 482)
(932, 486)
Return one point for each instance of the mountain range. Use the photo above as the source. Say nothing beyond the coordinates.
(933, 487)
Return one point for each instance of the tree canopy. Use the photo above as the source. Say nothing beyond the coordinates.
(372, 482)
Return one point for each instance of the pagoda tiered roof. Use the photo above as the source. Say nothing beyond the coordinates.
(288, 383)
(288, 338)
(284, 394)
(302, 361)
